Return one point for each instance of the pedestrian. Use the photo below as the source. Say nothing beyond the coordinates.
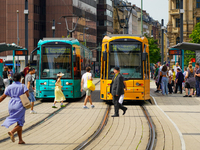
(117, 89)
(176, 67)
(26, 70)
(11, 74)
(173, 79)
(121, 99)
(159, 78)
(15, 107)
(190, 81)
(179, 80)
(28, 83)
(6, 77)
(164, 81)
(184, 74)
(170, 84)
(59, 96)
(156, 74)
(197, 77)
(86, 76)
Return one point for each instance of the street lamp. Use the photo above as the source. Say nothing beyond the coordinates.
(17, 40)
(142, 17)
(84, 40)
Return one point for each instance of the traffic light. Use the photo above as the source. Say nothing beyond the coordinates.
(1, 60)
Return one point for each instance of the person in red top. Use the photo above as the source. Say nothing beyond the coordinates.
(26, 70)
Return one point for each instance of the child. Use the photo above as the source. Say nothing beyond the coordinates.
(121, 99)
(59, 96)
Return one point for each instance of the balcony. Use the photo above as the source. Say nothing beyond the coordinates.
(175, 30)
(174, 12)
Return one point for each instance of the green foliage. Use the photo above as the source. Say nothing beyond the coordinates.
(187, 58)
(154, 51)
(195, 36)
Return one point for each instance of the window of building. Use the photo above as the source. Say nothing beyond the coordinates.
(177, 40)
(198, 19)
(177, 4)
(108, 13)
(177, 22)
(198, 3)
(108, 23)
(109, 2)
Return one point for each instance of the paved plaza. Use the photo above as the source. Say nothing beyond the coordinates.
(66, 128)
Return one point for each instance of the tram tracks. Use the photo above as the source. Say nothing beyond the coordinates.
(152, 131)
(97, 132)
(40, 121)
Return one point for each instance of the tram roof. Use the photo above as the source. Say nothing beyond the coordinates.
(187, 46)
(67, 40)
(8, 47)
(116, 35)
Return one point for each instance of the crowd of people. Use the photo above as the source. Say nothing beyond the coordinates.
(174, 80)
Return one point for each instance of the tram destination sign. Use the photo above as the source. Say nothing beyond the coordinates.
(175, 52)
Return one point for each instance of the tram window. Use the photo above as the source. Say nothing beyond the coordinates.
(147, 67)
(77, 73)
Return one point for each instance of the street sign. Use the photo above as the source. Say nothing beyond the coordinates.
(21, 53)
(175, 52)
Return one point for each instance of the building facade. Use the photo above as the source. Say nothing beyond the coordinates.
(40, 19)
(191, 17)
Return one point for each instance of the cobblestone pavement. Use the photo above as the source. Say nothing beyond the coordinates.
(184, 112)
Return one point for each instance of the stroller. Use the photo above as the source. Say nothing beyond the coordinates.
(2, 87)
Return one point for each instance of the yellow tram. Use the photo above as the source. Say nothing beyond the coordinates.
(131, 54)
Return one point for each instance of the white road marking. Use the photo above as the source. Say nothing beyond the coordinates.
(179, 132)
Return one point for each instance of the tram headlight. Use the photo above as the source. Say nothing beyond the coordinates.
(67, 83)
(45, 83)
(137, 84)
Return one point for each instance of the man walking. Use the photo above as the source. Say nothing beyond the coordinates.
(86, 76)
(197, 77)
(29, 85)
(117, 89)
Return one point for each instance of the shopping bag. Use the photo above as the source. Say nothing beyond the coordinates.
(90, 84)
(25, 101)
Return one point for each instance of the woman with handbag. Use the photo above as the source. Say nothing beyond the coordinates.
(190, 81)
(15, 107)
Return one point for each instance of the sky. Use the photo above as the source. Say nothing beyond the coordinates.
(157, 9)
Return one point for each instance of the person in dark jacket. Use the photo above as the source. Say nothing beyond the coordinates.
(179, 80)
(117, 89)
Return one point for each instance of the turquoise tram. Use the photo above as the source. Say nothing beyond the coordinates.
(64, 55)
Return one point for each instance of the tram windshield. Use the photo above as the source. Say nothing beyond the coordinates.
(128, 58)
(56, 59)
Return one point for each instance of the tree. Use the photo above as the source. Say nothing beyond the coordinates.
(154, 51)
(195, 36)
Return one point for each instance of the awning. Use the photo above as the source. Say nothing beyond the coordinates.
(8, 47)
(187, 46)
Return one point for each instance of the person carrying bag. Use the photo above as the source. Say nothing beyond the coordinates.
(87, 86)
(24, 99)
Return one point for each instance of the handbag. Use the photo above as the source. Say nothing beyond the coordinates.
(24, 99)
(90, 85)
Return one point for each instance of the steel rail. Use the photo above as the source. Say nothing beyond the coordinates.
(97, 132)
(151, 142)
